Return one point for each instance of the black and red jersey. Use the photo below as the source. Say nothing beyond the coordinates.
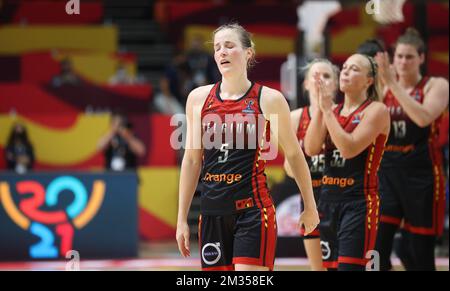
(355, 177)
(316, 163)
(410, 145)
(233, 175)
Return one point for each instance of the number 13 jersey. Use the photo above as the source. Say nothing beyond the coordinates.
(408, 144)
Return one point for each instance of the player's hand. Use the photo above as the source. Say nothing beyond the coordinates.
(115, 125)
(309, 220)
(183, 234)
(315, 88)
(124, 132)
(386, 71)
(325, 97)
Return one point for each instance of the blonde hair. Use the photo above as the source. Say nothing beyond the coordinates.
(245, 37)
(305, 69)
(373, 92)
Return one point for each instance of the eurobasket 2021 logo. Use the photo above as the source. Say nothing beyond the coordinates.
(39, 211)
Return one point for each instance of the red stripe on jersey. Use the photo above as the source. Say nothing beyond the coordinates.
(256, 194)
(330, 265)
(260, 188)
(438, 188)
(352, 261)
(419, 230)
(374, 156)
(390, 220)
(271, 238)
(262, 250)
(373, 206)
(345, 120)
(314, 234)
(209, 99)
(303, 123)
(421, 87)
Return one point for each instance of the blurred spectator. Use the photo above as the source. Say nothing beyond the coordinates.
(121, 147)
(165, 102)
(179, 79)
(201, 63)
(19, 151)
(193, 68)
(122, 77)
(67, 76)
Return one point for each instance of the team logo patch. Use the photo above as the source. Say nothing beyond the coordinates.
(356, 119)
(244, 203)
(417, 95)
(249, 109)
(211, 253)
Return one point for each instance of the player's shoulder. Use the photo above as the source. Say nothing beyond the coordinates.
(378, 105)
(436, 82)
(199, 94)
(270, 92)
(271, 97)
(379, 109)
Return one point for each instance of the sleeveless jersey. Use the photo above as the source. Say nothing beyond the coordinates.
(410, 145)
(233, 178)
(355, 177)
(316, 163)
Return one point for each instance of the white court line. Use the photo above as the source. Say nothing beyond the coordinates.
(157, 263)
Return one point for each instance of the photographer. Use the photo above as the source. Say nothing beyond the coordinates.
(121, 147)
(19, 151)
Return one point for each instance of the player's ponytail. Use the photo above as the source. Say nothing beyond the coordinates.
(412, 37)
(373, 90)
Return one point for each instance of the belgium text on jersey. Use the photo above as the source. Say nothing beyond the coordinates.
(229, 131)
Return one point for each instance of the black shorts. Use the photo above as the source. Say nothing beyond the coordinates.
(244, 238)
(415, 195)
(348, 231)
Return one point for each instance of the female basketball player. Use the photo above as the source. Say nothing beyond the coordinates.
(301, 118)
(411, 176)
(237, 228)
(354, 133)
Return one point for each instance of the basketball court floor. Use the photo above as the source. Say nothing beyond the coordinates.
(160, 256)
